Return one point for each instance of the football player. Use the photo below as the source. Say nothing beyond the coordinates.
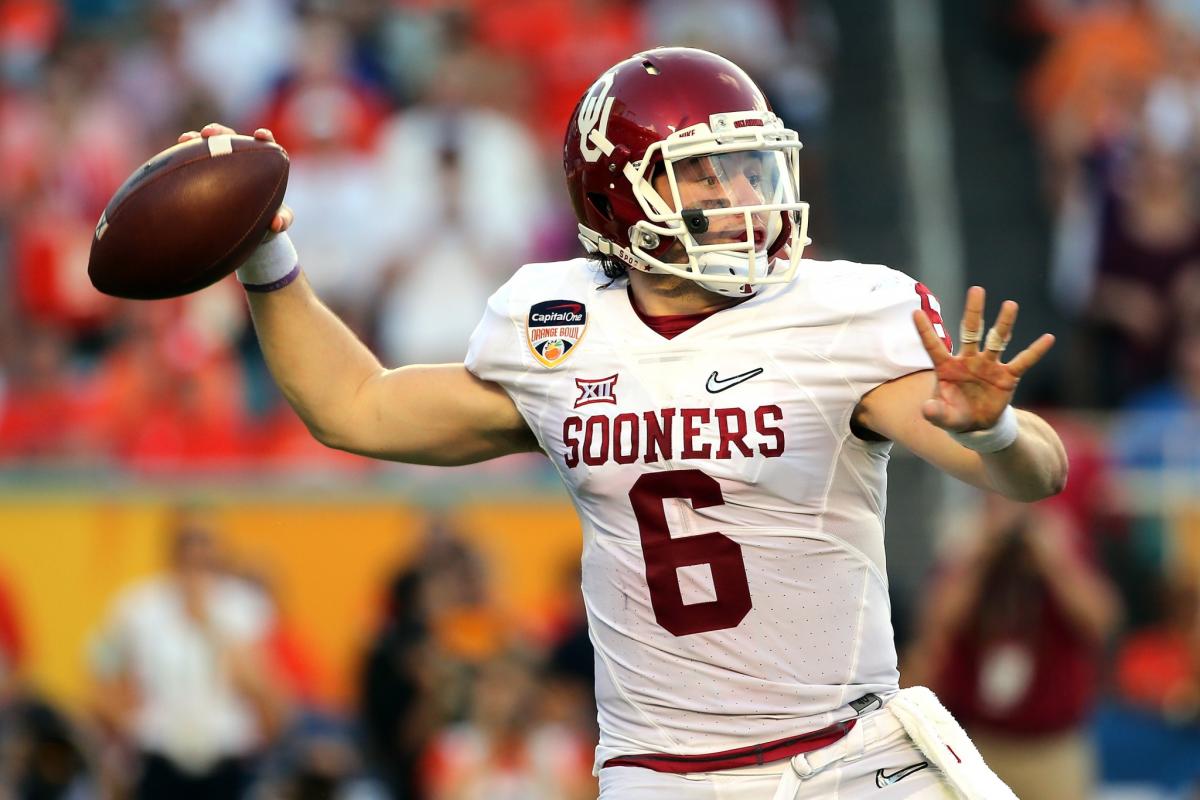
(721, 411)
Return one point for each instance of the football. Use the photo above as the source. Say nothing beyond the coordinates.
(187, 217)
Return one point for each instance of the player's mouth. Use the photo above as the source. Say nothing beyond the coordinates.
(737, 236)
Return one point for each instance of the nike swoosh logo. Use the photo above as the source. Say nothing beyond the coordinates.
(882, 779)
(716, 384)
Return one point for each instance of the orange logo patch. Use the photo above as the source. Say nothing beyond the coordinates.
(554, 329)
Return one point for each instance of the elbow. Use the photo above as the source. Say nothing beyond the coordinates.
(336, 442)
(1058, 482)
(332, 436)
(1057, 479)
(1048, 485)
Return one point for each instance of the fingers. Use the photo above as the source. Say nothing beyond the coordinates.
(933, 343)
(1031, 355)
(217, 129)
(283, 220)
(1000, 334)
(211, 129)
(971, 330)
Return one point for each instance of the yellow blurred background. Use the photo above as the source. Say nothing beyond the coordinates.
(68, 555)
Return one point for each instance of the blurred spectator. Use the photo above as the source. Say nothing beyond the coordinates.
(568, 677)
(153, 79)
(182, 675)
(571, 652)
(43, 755)
(1160, 426)
(1149, 734)
(466, 201)
(321, 103)
(1011, 640)
(18, 741)
(468, 109)
(558, 47)
(417, 671)
(750, 33)
(57, 199)
(1148, 262)
(236, 49)
(168, 396)
(1088, 88)
(50, 242)
(39, 404)
(501, 751)
(330, 122)
(1117, 105)
(27, 32)
(319, 761)
(429, 298)
(399, 707)
(291, 658)
(1158, 668)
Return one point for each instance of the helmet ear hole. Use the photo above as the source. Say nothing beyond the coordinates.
(601, 204)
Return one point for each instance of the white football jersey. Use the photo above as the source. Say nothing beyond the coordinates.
(733, 563)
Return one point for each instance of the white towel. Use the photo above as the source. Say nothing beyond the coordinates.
(945, 743)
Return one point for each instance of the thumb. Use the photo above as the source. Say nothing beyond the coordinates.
(935, 411)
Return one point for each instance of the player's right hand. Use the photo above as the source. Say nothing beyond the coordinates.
(284, 219)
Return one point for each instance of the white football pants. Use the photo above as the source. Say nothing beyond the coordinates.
(876, 760)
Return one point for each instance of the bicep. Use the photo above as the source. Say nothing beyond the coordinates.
(436, 414)
(893, 410)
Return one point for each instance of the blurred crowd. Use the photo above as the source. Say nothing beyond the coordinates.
(1113, 100)
(203, 688)
(425, 142)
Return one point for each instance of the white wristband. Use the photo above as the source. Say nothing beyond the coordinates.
(993, 439)
(272, 266)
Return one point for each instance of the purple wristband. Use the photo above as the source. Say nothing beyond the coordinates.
(273, 285)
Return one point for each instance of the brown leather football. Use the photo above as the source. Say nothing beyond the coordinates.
(188, 217)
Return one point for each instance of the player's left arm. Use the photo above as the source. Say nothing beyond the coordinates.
(933, 413)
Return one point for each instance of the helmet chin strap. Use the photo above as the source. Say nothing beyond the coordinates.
(717, 263)
(710, 263)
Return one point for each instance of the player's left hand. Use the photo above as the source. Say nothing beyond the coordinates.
(973, 386)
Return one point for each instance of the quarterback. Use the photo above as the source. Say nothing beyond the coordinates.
(721, 410)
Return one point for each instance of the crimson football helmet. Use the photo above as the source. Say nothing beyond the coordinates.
(676, 164)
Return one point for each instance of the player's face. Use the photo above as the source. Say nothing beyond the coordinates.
(726, 181)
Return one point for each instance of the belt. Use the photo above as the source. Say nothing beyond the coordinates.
(753, 755)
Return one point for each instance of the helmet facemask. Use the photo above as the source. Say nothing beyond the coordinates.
(721, 206)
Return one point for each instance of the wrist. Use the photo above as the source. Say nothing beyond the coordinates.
(994, 439)
(272, 266)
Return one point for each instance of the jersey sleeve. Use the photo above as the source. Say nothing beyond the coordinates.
(881, 343)
(497, 352)
(494, 352)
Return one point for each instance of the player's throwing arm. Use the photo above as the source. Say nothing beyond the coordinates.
(429, 414)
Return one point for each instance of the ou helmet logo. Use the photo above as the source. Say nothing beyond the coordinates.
(593, 120)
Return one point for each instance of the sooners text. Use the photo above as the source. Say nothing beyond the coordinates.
(669, 434)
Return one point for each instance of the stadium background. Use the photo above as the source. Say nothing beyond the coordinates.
(1046, 149)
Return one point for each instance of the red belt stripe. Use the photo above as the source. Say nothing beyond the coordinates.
(753, 755)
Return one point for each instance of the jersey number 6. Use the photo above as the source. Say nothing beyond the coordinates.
(664, 555)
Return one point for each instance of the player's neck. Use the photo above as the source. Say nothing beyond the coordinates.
(667, 295)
